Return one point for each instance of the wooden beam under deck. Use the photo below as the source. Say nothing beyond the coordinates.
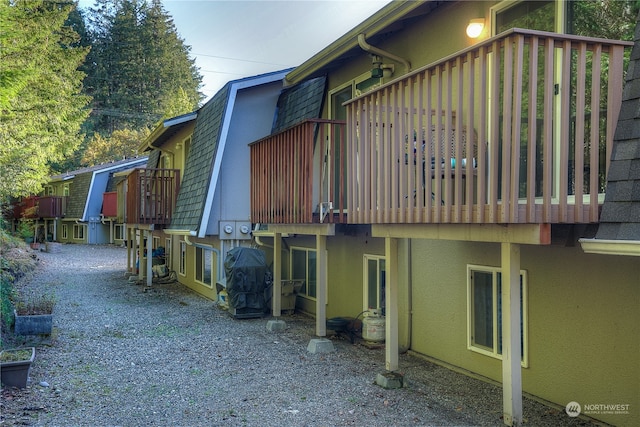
(529, 234)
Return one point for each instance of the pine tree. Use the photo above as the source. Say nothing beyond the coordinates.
(138, 65)
(41, 105)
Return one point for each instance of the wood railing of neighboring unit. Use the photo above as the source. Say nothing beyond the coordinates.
(52, 206)
(293, 183)
(526, 135)
(151, 195)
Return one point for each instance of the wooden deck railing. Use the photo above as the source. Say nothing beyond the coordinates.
(524, 124)
(151, 195)
(34, 207)
(298, 176)
(52, 206)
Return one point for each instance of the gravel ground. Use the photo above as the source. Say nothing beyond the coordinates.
(123, 354)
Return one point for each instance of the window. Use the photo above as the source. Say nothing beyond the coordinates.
(48, 190)
(155, 243)
(183, 259)
(118, 231)
(374, 283)
(65, 231)
(78, 232)
(303, 267)
(65, 190)
(204, 262)
(484, 311)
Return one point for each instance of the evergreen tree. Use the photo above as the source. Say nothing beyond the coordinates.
(41, 105)
(138, 65)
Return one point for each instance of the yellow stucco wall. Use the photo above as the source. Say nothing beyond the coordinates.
(583, 328)
(188, 279)
(345, 272)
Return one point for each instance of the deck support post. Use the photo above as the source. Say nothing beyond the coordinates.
(149, 268)
(391, 304)
(321, 289)
(511, 335)
(277, 275)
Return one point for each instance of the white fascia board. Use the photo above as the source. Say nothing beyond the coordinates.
(217, 165)
(611, 247)
(180, 119)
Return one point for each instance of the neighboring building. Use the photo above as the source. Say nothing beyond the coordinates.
(208, 155)
(447, 181)
(72, 206)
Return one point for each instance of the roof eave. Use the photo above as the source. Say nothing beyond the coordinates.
(373, 25)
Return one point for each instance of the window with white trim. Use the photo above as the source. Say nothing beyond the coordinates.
(374, 282)
(65, 190)
(204, 264)
(118, 231)
(484, 311)
(78, 232)
(303, 267)
(65, 231)
(182, 269)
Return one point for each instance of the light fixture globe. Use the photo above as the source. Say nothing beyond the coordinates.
(475, 27)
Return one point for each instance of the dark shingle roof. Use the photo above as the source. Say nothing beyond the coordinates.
(300, 102)
(620, 217)
(204, 143)
(78, 192)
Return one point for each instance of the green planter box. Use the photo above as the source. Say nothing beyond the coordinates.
(16, 373)
(36, 324)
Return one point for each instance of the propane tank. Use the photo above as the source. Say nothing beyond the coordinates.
(373, 327)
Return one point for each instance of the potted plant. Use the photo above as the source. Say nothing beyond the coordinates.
(34, 315)
(15, 365)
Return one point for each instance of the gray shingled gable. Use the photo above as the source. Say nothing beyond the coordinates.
(300, 102)
(620, 217)
(204, 143)
(78, 192)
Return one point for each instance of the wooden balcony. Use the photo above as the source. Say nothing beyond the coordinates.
(151, 196)
(524, 123)
(298, 176)
(34, 207)
(52, 206)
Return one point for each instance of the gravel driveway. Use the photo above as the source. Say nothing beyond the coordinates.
(128, 355)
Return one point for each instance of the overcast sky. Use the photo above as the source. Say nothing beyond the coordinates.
(236, 39)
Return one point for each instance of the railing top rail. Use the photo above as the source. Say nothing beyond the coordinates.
(491, 41)
(302, 123)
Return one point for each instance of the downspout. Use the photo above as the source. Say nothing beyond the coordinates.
(372, 49)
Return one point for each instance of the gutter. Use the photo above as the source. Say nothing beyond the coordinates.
(611, 247)
(175, 232)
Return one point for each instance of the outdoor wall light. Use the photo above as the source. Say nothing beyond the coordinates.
(475, 27)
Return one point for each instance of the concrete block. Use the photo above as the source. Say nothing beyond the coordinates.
(320, 345)
(390, 380)
(276, 325)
